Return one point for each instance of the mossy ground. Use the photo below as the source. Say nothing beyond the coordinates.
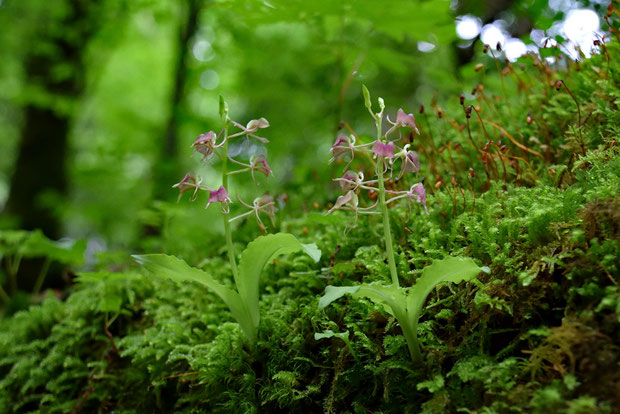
(541, 333)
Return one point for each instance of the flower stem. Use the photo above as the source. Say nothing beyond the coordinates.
(229, 243)
(387, 233)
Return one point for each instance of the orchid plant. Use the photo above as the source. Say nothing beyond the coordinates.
(405, 304)
(244, 301)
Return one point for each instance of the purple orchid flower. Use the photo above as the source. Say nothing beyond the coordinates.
(259, 163)
(205, 144)
(349, 181)
(187, 183)
(219, 196)
(405, 120)
(385, 150)
(263, 204)
(418, 193)
(411, 161)
(341, 146)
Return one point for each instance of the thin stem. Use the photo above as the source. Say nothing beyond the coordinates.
(473, 193)
(387, 232)
(229, 243)
(42, 274)
(13, 268)
(386, 224)
(583, 148)
(5, 296)
(247, 213)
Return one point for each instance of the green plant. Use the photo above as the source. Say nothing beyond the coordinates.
(244, 302)
(406, 303)
(16, 245)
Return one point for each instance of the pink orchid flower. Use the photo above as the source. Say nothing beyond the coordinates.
(187, 183)
(405, 120)
(219, 196)
(205, 144)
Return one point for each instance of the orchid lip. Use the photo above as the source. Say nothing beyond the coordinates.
(385, 150)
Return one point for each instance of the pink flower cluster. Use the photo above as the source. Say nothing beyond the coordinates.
(385, 151)
(207, 144)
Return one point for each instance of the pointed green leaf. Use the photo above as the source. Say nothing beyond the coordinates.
(391, 298)
(331, 334)
(254, 258)
(170, 267)
(450, 269)
(333, 293)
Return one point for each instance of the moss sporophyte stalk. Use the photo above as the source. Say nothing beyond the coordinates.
(405, 303)
(244, 301)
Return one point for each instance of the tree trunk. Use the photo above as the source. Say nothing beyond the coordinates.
(39, 179)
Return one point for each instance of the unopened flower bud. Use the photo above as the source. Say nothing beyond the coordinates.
(421, 108)
(529, 119)
(558, 85)
(478, 67)
(462, 99)
(485, 49)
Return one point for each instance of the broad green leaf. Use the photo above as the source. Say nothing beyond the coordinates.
(69, 252)
(450, 269)
(331, 334)
(254, 258)
(406, 304)
(391, 298)
(12, 240)
(333, 293)
(96, 277)
(170, 267)
(35, 244)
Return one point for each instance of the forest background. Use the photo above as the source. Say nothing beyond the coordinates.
(100, 101)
